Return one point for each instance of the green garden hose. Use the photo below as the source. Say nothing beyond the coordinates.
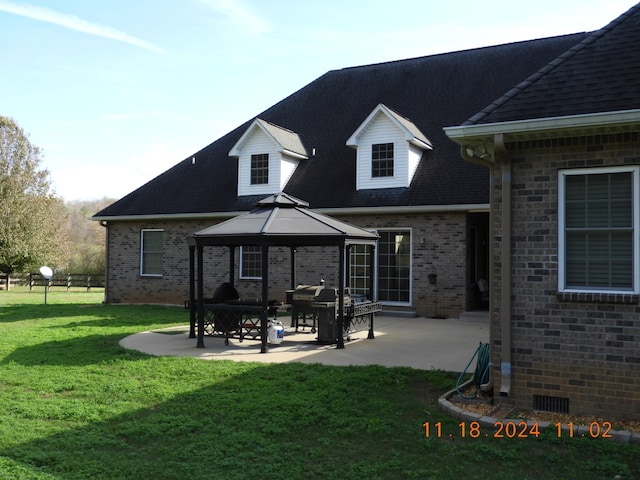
(481, 375)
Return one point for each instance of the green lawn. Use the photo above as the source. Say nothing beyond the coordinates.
(75, 405)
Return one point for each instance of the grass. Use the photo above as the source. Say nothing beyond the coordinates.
(76, 405)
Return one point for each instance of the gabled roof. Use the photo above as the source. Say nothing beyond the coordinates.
(411, 133)
(432, 91)
(599, 74)
(288, 142)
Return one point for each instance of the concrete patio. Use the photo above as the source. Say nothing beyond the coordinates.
(423, 343)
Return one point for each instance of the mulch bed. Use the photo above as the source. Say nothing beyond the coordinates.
(483, 405)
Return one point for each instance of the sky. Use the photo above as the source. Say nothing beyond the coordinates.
(116, 92)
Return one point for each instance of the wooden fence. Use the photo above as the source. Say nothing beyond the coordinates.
(67, 281)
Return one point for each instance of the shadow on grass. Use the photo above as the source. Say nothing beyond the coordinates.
(96, 315)
(278, 422)
(77, 351)
(294, 421)
(139, 315)
(21, 313)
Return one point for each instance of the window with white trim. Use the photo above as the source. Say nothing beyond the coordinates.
(151, 252)
(598, 230)
(250, 261)
(260, 169)
(394, 266)
(359, 270)
(382, 160)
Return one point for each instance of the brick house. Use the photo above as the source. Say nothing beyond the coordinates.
(563, 149)
(364, 145)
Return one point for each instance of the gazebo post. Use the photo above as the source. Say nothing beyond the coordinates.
(192, 292)
(200, 342)
(293, 268)
(341, 251)
(292, 276)
(347, 267)
(372, 257)
(232, 264)
(265, 298)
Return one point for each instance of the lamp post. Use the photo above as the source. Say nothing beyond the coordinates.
(46, 273)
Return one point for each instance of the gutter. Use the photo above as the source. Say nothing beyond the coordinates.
(591, 120)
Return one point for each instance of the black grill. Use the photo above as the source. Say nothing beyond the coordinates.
(316, 306)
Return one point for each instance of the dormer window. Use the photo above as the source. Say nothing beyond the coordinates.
(382, 160)
(267, 157)
(389, 149)
(260, 169)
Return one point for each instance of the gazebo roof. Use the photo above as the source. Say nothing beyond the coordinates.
(282, 220)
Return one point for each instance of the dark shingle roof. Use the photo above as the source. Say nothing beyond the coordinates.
(286, 139)
(599, 74)
(431, 92)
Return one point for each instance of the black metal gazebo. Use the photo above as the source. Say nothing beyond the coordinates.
(279, 220)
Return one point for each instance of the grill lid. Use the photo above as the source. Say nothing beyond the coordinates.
(307, 293)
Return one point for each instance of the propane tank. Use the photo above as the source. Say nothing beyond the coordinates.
(275, 332)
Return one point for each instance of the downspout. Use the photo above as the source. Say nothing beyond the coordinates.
(105, 224)
(490, 161)
(505, 267)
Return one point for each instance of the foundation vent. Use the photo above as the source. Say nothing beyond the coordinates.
(545, 403)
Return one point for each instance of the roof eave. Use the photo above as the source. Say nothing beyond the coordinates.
(467, 207)
(293, 154)
(420, 144)
(166, 216)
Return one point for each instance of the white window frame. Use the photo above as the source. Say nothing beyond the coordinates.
(562, 174)
(253, 157)
(242, 276)
(142, 252)
(387, 159)
(409, 302)
(373, 270)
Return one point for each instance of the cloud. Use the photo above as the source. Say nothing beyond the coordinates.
(74, 23)
(240, 14)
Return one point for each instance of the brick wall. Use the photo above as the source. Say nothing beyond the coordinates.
(584, 348)
(438, 246)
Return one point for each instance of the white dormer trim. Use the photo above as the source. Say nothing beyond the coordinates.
(382, 126)
(284, 148)
(411, 133)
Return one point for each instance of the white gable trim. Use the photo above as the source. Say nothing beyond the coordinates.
(411, 133)
(276, 134)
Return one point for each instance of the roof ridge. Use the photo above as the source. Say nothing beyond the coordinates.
(455, 52)
(577, 48)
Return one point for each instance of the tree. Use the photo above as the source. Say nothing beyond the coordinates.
(30, 214)
(87, 237)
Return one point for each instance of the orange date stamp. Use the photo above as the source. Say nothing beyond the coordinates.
(515, 429)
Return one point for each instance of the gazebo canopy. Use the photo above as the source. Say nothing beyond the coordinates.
(282, 220)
